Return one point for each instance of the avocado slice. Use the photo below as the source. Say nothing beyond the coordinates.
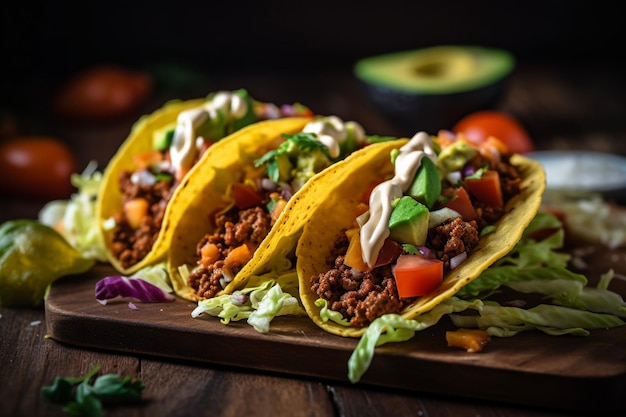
(432, 88)
(426, 186)
(162, 138)
(408, 222)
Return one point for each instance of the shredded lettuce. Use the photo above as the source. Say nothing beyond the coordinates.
(328, 314)
(590, 216)
(394, 328)
(259, 302)
(550, 319)
(156, 275)
(75, 219)
(572, 306)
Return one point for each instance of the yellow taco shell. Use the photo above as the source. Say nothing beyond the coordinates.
(205, 191)
(340, 188)
(109, 196)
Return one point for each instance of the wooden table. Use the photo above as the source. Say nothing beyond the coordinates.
(563, 107)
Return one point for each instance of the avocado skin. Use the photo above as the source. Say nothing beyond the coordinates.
(432, 112)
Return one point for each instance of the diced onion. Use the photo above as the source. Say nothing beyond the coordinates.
(362, 219)
(356, 273)
(143, 177)
(238, 298)
(436, 217)
(454, 177)
(458, 260)
(427, 252)
(268, 185)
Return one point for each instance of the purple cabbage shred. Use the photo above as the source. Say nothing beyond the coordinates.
(130, 288)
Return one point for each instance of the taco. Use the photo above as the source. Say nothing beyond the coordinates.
(245, 187)
(370, 221)
(133, 210)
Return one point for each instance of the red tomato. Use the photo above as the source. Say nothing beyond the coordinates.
(103, 92)
(245, 196)
(462, 204)
(388, 253)
(36, 167)
(354, 255)
(486, 188)
(478, 126)
(417, 275)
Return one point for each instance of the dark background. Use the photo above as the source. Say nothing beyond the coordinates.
(43, 43)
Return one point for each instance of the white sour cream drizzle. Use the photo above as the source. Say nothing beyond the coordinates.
(185, 144)
(375, 230)
(333, 132)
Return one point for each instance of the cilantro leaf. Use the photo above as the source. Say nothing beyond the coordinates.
(410, 249)
(81, 398)
(295, 143)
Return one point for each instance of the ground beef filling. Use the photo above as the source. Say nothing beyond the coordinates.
(362, 297)
(233, 229)
(130, 245)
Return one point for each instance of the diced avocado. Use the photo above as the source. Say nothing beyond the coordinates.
(426, 186)
(162, 138)
(213, 128)
(249, 117)
(283, 168)
(455, 156)
(408, 222)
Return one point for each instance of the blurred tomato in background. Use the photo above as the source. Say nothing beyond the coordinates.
(36, 167)
(103, 92)
(480, 125)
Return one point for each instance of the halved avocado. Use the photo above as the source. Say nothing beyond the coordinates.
(432, 88)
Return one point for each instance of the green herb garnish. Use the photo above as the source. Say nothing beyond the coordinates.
(81, 398)
(295, 145)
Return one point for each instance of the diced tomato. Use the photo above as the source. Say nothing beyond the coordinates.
(417, 275)
(238, 256)
(146, 159)
(352, 231)
(445, 138)
(486, 188)
(472, 340)
(210, 253)
(388, 253)
(462, 204)
(354, 255)
(135, 210)
(245, 196)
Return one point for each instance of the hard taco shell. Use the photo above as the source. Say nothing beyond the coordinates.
(140, 140)
(206, 190)
(339, 189)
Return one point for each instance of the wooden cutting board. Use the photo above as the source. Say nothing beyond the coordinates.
(566, 372)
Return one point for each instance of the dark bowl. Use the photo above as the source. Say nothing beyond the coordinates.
(415, 108)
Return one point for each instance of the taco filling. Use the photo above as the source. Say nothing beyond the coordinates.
(177, 147)
(260, 197)
(413, 229)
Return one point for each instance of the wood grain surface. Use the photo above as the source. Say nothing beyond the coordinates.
(531, 369)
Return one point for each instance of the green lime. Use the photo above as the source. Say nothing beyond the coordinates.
(33, 256)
